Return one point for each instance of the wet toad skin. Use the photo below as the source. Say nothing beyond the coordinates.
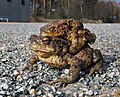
(86, 58)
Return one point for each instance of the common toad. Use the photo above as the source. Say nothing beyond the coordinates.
(50, 52)
(70, 30)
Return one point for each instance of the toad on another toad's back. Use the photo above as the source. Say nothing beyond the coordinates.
(70, 30)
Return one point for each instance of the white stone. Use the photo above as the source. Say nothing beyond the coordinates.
(4, 86)
(50, 95)
(90, 92)
(16, 72)
(32, 91)
(119, 81)
(4, 59)
(2, 92)
(58, 92)
(85, 89)
(111, 74)
(19, 78)
(117, 73)
(21, 89)
(39, 92)
(80, 94)
(75, 94)
(53, 88)
(66, 71)
(103, 76)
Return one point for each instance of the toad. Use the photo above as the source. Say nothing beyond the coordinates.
(60, 28)
(70, 30)
(49, 51)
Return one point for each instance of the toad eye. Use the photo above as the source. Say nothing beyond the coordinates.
(46, 40)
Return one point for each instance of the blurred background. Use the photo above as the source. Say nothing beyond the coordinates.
(93, 11)
(97, 10)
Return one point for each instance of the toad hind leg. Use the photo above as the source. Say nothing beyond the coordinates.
(97, 67)
(97, 62)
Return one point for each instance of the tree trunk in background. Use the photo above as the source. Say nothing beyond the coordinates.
(77, 9)
(81, 8)
(49, 13)
(68, 9)
(45, 5)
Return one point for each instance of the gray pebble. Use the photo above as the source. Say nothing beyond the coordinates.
(15, 54)
(49, 95)
(2, 92)
(96, 93)
(90, 92)
(38, 93)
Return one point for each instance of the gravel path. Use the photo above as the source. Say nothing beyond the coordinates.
(17, 83)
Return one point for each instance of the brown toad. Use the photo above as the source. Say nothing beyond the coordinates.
(49, 51)
(70, 30)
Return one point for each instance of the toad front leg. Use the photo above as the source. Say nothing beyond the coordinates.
(34, 59)
(74, 64)
(67, 61)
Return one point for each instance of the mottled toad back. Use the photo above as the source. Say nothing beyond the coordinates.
(70, 30)
(60, 28)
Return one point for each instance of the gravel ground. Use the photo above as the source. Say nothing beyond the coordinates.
(17, 83)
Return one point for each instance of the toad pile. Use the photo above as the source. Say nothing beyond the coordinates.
(66, 44)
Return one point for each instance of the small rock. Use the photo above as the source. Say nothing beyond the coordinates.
(117, 73)
(86, 83)
(80, 94)
(114, 64)
(30, 81)
(53, 89)
(1, 54)
(103, 76)
(111, 74)
(75, 94)
(96, 93)
(4, 86)
(58, 92)
(108, 95)
(2, 92)
(1, 70)
(3, 49)
(66, 71)
(50, 95)
(39, 92)
(21, 89)
(40, 67)
(32, 91)
(4, 60)
(16, 72)
(89, 92)
(19, 78)
(119, 81)
(44, 96)
(47, 88)
(84, 89)
(17, 87)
